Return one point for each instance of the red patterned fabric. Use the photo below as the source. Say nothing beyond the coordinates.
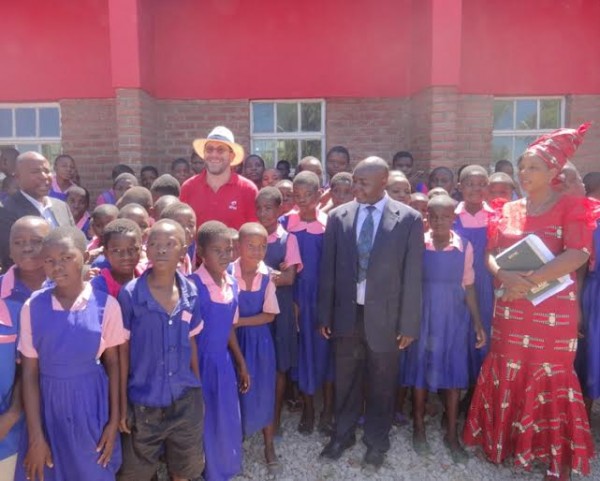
(528, 403)
(559, 146)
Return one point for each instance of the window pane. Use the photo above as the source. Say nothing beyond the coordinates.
(25, 118)
(311, 117)
(550, 114)
(262, 118)
(50, 151)
(503, 114)
(287, 117)
(267, 149)
(502, 148)
(521, 143)
(288, 150)
(27, 147)
(49, 122)
(6, 123)
(526, 115)
(311, 147)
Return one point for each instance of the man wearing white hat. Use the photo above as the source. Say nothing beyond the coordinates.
(218, 193)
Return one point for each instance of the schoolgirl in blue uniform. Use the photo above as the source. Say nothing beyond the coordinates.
(186, 217)
(159, 366)
(258, 307)
(315, 367)
(217, 343)
(68, 344)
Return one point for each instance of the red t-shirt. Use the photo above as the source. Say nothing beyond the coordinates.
(232, 204)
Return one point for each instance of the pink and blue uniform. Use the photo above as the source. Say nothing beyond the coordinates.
(74, 393)
(256, 343)
(438, 359)
(282, 247)
(315, 365)
(474, 229)
(222, 422)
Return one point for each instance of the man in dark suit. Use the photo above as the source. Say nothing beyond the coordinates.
(34, 179)
(370, 305)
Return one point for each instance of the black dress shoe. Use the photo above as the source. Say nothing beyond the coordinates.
(335, 449)
(374, 457)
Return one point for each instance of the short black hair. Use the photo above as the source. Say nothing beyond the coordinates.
(172, 210)
(253, 228)
(473, 169)
(121, 169)
(341, 178)
(262, 161)
(136, 195)
(120, 227)
(149, 168)
(78, 190)
(166, 184)
(502, 178)
(442, 169)
(180, 160)
(104, 210)
(57, 234)
(338, 149)
(502, 163)
(126, 176)
(209, 231)
(270, 194)
(307, 178)
(63, 156)
(403, 153)
(288, 166)
(130, 209)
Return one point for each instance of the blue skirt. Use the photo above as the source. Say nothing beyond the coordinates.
(587, 362)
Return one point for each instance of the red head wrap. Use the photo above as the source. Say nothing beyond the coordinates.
(557, 147)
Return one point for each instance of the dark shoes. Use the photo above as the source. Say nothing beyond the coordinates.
(335, 449)
(374, 458)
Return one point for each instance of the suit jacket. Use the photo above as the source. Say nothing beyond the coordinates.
(17, 206)
(393, 288)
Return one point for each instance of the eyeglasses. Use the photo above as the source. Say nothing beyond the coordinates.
(221, 149)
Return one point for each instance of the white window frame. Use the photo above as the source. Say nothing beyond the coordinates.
(530, 132)
(288, 135)
(33, 141)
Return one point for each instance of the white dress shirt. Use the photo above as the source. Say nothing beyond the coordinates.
(43, 208)
(361, 287)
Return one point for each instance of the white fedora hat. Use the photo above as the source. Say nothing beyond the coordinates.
(224, 136)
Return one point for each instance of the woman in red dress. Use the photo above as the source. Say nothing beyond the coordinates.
(528, 403)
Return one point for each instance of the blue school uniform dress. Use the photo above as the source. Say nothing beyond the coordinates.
(315, 365)
(9, 328)
(438, 359)
(256, 343)
(283, 328)
(222, 421)
(587, 362)
(484, 281)
(11, 287)
(74, 392)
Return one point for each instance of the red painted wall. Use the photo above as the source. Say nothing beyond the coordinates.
(542, 47)
(51, 50)
(278, 49)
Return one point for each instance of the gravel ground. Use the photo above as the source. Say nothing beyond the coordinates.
(299, 456)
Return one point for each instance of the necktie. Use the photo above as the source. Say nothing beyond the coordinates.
(365, 240)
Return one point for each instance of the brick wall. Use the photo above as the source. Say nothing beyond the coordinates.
(89, 132)
(377, 126)
(579, 109)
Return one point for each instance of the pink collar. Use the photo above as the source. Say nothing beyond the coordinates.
(455, 242)
(317, 226)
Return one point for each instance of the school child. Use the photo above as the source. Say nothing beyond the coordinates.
(570, 181)
(64, 173)
(159, 366)
(418, 201)
(287, 193)
(404, 162)
(27, 274)
(16, 285)
(68, 343)
(186, 217)
(101, 216)
(139, 215)
(270, 177)
(501, 186)
(398, 187)
(109, 196)
(472, 218)
(441, 177)
(340, 190)
(587, 362)
(283, 257)
(315, 369)
(166, 184)
(258, 307)
(253, 169)
(137, 195)
(78, 200)
(218, 305)
(122, 241)
(436, 191)
(148, 175)
(437, 360)
(181, 170)
(123, 183)
(591, 183)
(161, 204)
